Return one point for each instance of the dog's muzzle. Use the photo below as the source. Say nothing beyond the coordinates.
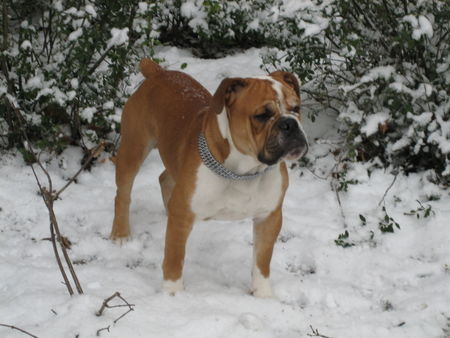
(286, 140)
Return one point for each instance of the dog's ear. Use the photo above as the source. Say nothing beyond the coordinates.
(290, 79)
(226, 93)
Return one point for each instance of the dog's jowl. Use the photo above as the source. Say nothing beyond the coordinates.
(223, 156)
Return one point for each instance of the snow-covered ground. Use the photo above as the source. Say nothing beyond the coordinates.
(391, 285)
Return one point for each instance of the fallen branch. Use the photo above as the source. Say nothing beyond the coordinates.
(19, 329)
(105, 305)
(315, 333)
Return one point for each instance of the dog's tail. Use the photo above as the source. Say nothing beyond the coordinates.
(149, 67)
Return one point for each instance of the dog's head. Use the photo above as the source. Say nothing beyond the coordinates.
(263, 116)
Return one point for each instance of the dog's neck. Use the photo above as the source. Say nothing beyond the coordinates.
(222, 147)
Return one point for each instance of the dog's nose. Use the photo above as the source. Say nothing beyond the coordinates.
(288, 126)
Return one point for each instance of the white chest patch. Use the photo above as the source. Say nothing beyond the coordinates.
(223, 199)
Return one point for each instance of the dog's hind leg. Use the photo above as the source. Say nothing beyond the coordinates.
(167, 183)
(135, 145)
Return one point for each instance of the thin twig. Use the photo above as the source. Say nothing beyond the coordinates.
(315, 333)
(54, 222)
(49, 198)
(387, 190)
(93, 153)
(318, 176)
(19, 329)
(105, 305)
(334, 173)
(58, 260)
(338, 198)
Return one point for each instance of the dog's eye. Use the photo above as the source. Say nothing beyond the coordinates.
(296, 110)
(266, 115)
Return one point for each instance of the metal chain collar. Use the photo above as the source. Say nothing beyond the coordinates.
(217, 167)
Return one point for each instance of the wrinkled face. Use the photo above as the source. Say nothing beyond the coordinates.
(264, 116)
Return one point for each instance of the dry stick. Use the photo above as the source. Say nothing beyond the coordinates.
(336, 190)
(43, 194)
(18, 329)
(54, 222)
(315, 333)
(387, 190)
(49, 198)
(58, 260)
(93, 153)
(105, 305)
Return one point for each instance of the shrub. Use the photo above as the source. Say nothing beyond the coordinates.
(66, 64)
(212, 28)
(383, 65)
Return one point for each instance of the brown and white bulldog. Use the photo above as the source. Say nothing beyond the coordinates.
(223, 156)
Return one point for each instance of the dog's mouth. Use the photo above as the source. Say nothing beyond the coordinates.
(279, 147)
(296, 154)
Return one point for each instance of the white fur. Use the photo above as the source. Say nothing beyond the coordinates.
(219, 198)
(222, 121)
(277, 87)
(223, 199)
(172, 287)
(260, 285)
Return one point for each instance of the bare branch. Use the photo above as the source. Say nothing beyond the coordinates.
(58, 260)
(106, 305)
(387, 190)
(93, 153)
(315, 333)
(18, 329)
(49, 198)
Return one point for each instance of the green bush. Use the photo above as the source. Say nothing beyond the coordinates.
(212, 28)
(383, 66)
(66, 64)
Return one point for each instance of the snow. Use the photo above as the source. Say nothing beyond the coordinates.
(26, 44)
(373, 121)
(194, 11)
(90, 10)
(88, 113)
(75, 34)
(34, 82)
(381, 72)
(384, 72)
(394, 285)
(143, 6)
(424, 89)
(421, 26)
(424, 28)
(118, 37)
(74, 83)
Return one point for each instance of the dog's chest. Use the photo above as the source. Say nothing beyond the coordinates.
(222, 199)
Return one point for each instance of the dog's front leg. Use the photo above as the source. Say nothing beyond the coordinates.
(265, 233)
(179, 226)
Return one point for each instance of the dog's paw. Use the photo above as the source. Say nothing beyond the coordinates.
(263, 293)
(172, 287)
(120, 241)
(119, 238)
(261, 287)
